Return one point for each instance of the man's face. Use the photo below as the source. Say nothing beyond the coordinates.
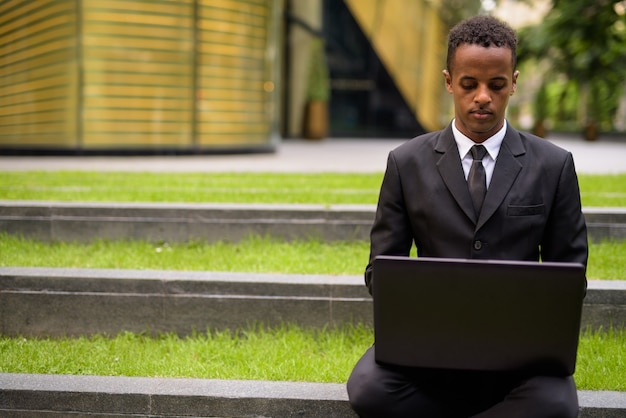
(481, 82)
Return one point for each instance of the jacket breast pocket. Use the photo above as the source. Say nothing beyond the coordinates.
(518, 210)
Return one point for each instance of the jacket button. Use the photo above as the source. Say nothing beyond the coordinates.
(478, 245)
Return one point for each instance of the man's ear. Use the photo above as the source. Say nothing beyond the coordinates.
(448, 78)
(514, 83)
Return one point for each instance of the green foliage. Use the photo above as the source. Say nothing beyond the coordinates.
(453, 11)
(541, 102)
(586, 43)
(318, 86)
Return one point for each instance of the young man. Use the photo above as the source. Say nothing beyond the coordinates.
(531, 211)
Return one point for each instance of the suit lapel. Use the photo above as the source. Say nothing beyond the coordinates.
(504, 174)
(451, 171)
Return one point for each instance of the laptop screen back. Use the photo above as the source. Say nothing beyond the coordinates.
(477, 314)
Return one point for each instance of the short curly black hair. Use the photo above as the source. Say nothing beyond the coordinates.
(482, 30)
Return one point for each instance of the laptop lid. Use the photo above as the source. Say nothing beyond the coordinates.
(477, 314)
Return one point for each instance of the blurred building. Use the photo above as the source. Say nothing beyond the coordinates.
(385, 60)
(211, 75)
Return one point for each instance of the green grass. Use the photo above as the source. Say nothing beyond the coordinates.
(191, 187)
(601, 361)
(324, 188)
(259, 353)
(286, 353)
(603, 190)
(255, 254)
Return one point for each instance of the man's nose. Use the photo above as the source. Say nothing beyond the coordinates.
(482, 95)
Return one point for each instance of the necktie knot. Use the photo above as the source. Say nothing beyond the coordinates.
(478, 152)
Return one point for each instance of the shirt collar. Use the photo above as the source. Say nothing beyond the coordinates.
(492, 144)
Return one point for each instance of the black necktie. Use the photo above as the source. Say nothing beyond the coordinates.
(477, 181)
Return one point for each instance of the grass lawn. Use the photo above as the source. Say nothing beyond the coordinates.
(255, 254)
(318, 188)
(281, 353)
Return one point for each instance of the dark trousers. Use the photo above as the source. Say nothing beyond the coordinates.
(383, 391)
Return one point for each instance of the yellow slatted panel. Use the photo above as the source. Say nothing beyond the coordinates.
(233, 37)
(253, 38)
(112, 63)
(259, 7)
(138, 73)
(26, 13)
(54, 46)
(227, 128)
(52, 115)
(157, 126)
(250, 97)
(98, 103)
(15, 115)
(8, 8)
(233, 84)
(135, 91)
(244, 107)
(34, 84)
(169, 9)
(103, 139)
(141, 73)
(140, 115)
(226, 69)
(136, 59)
(151, 80)
(20, 68)
(38, 74)
(26, 34)
(171, 32)
(34, 73)
(34, 129)
(25, 99)
(222, 29)
(98, 14)
(165, 46)
(233, 118)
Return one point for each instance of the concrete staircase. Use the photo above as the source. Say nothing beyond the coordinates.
(54, 302)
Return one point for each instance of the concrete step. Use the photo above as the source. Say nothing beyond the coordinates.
(82, 222)
(24, 395)
(57, 302)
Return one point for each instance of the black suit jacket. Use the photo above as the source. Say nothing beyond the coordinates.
(531, 212)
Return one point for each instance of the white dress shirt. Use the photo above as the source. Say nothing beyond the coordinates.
(491, 144)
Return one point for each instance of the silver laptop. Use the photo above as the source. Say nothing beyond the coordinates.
(477, 314)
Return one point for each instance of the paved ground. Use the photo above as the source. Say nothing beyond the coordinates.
(607, 155)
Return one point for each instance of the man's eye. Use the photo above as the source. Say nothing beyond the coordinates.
(468, 86)
(497, 87)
